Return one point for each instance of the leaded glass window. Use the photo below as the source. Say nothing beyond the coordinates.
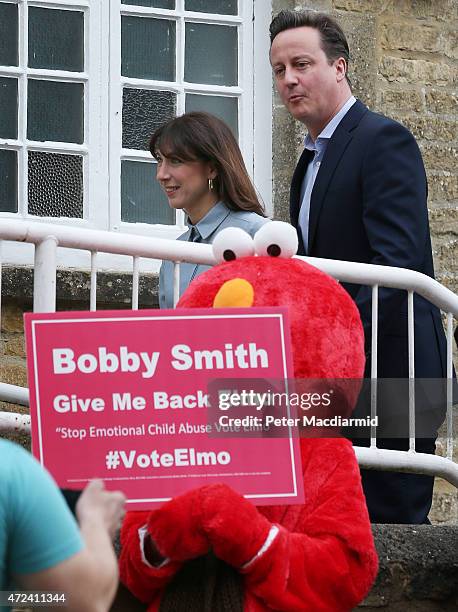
(43, 94)
(83, 85)
(175, 57)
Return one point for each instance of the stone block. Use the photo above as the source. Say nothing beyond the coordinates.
(445, 503)
(284, 157)
(13, 345)
(445, 258)
(450, 43)
(361, 34)
(399, 100)
(442, 10)
(445, 220)
(430, 128)
(13, 371)
(417, 71)
(439, 157)
(417, 569)
(73, 289)
(17, 282)
(362, 6)
(406, 36)
(443, 187)
(448, 280)
(317, 5)
(442, 102)
(278, 5)
(444, 232)
(12, 320)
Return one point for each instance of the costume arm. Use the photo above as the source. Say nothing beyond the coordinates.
(142, 579)
(168, 535)
(323, 557)
(395, 214)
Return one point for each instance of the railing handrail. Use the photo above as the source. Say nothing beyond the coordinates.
(47, 237)
(175, 250)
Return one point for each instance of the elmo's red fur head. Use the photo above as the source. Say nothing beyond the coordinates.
(326, 330)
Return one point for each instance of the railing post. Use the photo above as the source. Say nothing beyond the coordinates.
(411, 344)
(176, 282)
(374, 362)
(450, 380)
(44, 279)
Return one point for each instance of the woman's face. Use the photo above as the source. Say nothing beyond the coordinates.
(186, 185)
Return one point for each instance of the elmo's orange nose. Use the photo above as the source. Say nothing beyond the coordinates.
(235, 293)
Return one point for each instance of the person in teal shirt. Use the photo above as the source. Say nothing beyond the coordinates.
(201, 169)
(42, 547)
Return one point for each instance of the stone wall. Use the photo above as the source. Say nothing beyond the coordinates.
(404, 64)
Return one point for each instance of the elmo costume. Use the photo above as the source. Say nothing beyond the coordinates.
(211, 549)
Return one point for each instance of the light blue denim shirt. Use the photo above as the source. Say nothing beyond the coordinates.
(218, 218)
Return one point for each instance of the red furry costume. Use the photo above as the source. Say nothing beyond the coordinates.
(318, 556)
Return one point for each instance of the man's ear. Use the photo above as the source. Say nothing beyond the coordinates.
(341, 68)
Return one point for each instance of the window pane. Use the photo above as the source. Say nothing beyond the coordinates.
(142, 199)
(221, 7)
(166, 4)
(223, 107)
(56, 39)
(214, 62)
(8, 181)
(55, 111)
(143, 111)
(148, 48)
(55, 185)
(8, 34)
(8, 106)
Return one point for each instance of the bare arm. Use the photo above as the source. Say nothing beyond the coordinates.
(89, 578)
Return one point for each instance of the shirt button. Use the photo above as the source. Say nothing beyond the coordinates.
(317, 164)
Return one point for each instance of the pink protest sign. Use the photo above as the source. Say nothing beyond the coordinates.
(123, 396)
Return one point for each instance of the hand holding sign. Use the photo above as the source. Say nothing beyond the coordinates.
(236, 529)
(213, 516)
(176, 527)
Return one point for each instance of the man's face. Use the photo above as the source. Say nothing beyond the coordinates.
(308, 84)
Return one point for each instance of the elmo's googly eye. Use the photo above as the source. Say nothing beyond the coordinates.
(232, 243)
(277, 239)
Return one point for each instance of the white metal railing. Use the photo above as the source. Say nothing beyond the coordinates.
(48, 238)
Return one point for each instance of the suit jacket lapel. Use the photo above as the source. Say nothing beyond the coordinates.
(334, 151)
(296, 183)
(295, 195)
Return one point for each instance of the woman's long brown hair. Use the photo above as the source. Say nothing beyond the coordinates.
(199, 136)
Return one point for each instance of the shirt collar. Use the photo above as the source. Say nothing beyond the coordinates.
(208, 224)
(330, 127)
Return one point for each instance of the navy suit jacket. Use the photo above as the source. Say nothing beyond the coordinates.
(368, 205)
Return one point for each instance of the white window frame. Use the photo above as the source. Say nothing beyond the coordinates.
(92, 216)
(102, 147)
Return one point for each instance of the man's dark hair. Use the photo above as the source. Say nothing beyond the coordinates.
(333, 40)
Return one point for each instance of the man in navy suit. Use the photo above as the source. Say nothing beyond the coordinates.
(359, 194)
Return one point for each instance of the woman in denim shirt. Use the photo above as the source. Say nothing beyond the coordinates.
(201, 169)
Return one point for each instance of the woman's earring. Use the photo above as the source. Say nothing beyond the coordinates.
(210, 184)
